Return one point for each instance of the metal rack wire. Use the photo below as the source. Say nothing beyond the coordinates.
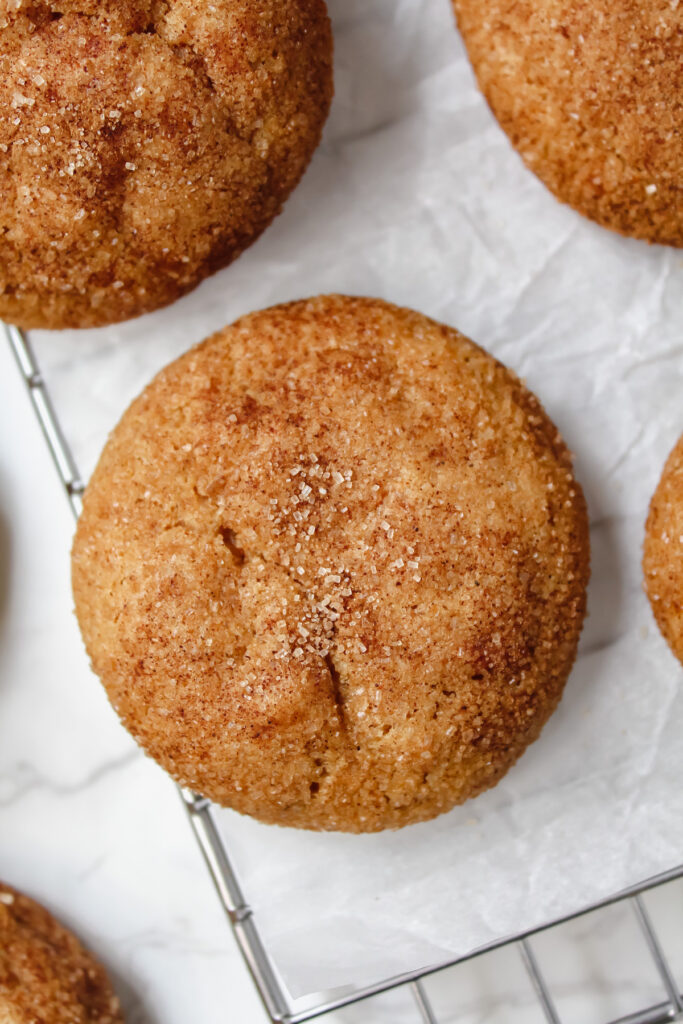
(279, 1006)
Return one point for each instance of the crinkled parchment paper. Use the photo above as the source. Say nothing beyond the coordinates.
(416, 196)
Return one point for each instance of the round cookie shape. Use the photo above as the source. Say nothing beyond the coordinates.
(331, 567)
(663, 552)
(144, 145)
(45, 973)
(590, 96)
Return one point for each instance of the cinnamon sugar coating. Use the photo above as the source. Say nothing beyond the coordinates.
(145, 143)
(46, 975)
(590, 95)
(663, 552)
(331, 567)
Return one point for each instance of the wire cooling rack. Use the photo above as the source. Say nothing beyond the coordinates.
(278, 1004)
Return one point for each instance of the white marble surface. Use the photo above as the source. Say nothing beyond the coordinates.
(415, 196)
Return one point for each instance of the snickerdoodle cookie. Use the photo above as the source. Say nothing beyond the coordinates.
(591, 96)
(45, 973)
(145, 143)
(331, 567)
(663, 552)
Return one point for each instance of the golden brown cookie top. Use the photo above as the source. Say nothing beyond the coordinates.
(663, 553)
(145, 143)
(590, 95)
(46, 975)
(331, 567)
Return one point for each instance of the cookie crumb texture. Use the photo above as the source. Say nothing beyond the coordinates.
(331, 567)
(46, 975)
(145, 143)
(590, 95)
(663, 552)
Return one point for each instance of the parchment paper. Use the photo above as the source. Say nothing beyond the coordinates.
(416, 196)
